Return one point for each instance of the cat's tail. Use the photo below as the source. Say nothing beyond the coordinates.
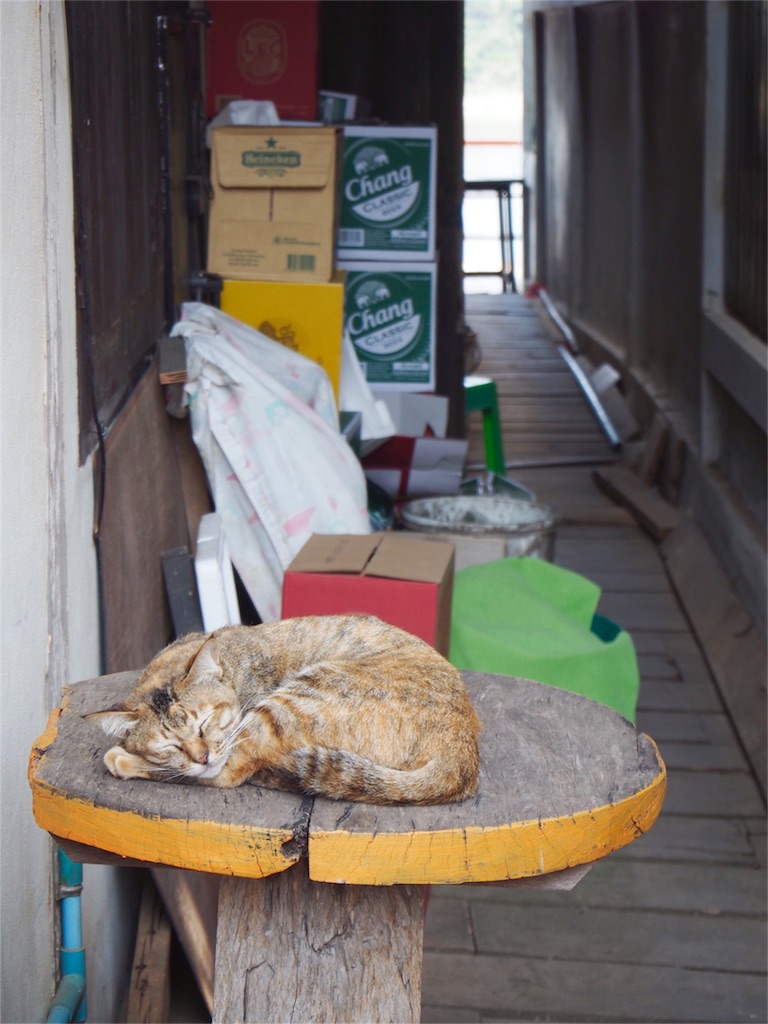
(344, 775)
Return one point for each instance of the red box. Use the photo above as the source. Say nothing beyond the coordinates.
(404, 581)
(264, 50)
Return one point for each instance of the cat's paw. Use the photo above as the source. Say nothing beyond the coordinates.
(124, 765)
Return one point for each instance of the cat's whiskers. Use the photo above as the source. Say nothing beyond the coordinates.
(240, 726)
(237, 736)
(169, 774)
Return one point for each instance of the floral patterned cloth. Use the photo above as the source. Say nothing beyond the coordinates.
(265, 422)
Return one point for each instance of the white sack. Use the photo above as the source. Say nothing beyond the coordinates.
(249, 112)
(265, 422)
(355, 395)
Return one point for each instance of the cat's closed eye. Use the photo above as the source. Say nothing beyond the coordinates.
(169, 746)
(226, 717)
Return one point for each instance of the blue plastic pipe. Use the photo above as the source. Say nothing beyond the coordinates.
(69, 995)
(69, 1003)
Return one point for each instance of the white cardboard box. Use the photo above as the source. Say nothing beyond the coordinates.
(417, 415)
(420, 467)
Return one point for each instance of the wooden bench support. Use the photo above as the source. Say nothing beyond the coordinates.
(284, 942)
(320, 911)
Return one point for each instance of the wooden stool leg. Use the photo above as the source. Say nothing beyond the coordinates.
(289, 949)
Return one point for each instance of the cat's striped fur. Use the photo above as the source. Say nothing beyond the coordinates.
(345, 706)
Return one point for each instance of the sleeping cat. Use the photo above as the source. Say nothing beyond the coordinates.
(345, 706)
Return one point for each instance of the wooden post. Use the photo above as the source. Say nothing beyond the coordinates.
(289, 949)
(149, 997)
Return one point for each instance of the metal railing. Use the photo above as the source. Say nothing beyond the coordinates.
(509, 193)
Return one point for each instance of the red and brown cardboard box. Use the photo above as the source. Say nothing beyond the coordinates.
(404, 581)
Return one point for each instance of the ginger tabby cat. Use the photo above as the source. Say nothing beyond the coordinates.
(345, 706)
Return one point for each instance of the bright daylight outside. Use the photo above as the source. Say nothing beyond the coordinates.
(493, 134)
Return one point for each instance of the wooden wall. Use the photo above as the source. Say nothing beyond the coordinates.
(630, 102)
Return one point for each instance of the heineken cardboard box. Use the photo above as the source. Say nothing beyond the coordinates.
(307, 317)
(389, 315)
(388, 194)
(275, 202)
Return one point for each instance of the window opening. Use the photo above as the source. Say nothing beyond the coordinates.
(494, 197)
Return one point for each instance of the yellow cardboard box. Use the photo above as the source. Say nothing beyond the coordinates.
(275, 202)
(305, 317)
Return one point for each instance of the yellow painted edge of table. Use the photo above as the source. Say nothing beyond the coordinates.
(243, 850)
(486, 854)
(450, 856)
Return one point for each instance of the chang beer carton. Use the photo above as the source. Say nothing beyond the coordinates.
(388, 194)
(389, 315)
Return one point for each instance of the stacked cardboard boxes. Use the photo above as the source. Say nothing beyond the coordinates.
(284, 198)
(319, 230)
(272, 235)
(274, 212)
(386, 244)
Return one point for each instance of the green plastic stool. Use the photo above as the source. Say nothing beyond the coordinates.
(480, 396)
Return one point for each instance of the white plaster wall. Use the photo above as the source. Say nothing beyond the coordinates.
(48, 580)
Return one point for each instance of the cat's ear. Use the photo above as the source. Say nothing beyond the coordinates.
(205, 666)
(116, 722)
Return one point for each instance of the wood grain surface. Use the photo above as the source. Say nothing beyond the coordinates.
(289, 949)
(247, 831)
(563, 782)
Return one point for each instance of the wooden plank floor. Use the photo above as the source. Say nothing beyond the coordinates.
(673, 928)
(545, 416)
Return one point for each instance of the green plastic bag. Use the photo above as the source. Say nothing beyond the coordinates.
(528, 618)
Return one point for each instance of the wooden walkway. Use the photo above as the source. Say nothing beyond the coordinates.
(545, 417)
(673, 928)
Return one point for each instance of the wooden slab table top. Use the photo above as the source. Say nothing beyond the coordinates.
(321, 903)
